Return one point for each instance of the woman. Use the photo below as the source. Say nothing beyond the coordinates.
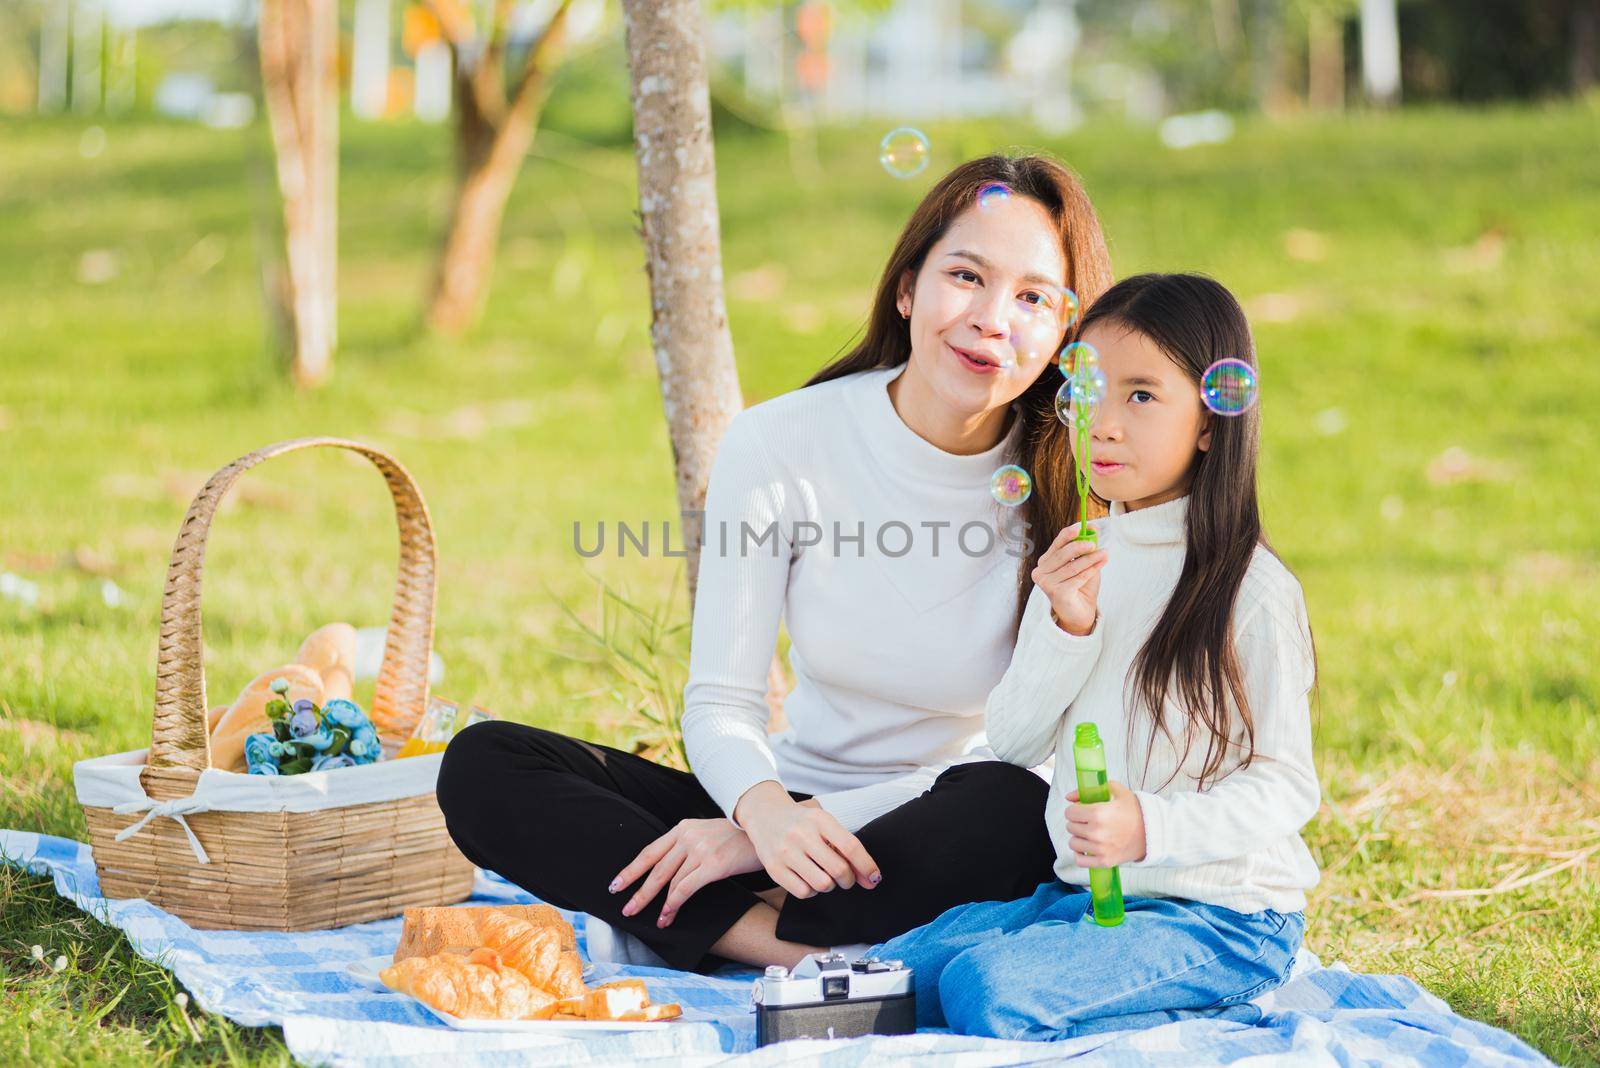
(859, 510)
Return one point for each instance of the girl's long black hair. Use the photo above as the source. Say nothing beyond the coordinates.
(1195, 321)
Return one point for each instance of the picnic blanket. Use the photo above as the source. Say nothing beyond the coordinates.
(298, 982)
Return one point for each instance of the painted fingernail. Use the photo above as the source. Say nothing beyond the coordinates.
(616, 884)
(875, 878)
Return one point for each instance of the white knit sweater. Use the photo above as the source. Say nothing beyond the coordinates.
(1235, 844)
(893, 655)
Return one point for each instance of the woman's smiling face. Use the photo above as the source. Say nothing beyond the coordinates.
(1150, 424)
(986, 308)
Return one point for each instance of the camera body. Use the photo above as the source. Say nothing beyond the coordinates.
(835, 999)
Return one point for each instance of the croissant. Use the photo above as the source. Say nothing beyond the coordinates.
(471, 988)
(533, 951)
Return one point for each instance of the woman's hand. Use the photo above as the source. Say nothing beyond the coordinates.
(692, 854)
(1069, 574)
(1106, 834)
(804, 849)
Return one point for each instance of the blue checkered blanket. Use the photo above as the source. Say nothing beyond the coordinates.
(299, 982)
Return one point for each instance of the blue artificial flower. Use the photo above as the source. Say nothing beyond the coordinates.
(264, 769)
(282, 749)
(342, 713)
(319, 741)
(364, 744)
(258, 751)
(280, 686)
(325, 763)
(304, 721)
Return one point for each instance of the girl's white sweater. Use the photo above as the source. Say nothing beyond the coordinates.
(1237, 843)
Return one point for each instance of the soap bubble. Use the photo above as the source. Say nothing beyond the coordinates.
(1071, 408)
(904, 152)
(1070, 307)
(1064, 403)
(1011, 485)
(1036, 333)
(993, 194)
(1078, 353)
(1080, 395)
(1229, 387)
(1088, 385)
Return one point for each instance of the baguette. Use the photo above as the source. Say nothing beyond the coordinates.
(432, 930)
(330, 651)
(614, 1002)
(248, 713)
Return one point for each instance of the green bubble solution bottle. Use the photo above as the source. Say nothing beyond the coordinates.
(1105, 884)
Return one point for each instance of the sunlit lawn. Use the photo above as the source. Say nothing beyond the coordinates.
(1422, 287)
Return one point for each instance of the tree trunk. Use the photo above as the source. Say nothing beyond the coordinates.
(1380, 52)
(683, 241)
(1269, 59)
(1585, 45)
(1325, 61)
(492, 139)
(299, 79)
(683, 255)
(489, 163)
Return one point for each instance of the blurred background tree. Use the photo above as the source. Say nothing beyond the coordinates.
(502, 69)
(503, 65)
(299, 49)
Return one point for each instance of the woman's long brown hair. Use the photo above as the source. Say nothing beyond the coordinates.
(1044, 451)
(1195, 321)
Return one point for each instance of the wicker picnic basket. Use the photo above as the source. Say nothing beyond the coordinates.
(226, 850)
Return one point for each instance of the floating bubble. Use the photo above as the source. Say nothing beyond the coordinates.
(904, 152)
(1071, 408)
(1229, 387)
(993, 194)
(1035, 333)
(1064, 403)
(1088, 385)
(1070, 307)
(1011, 485)
(1076, 354)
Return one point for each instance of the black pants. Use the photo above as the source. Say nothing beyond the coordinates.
(561, 817)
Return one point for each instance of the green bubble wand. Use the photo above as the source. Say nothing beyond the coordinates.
(1085, 385)
(1089, 758)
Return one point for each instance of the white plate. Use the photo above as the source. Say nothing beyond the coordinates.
(366, 969)
(546, 1027)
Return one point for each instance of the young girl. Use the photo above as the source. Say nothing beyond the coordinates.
(1184, 638)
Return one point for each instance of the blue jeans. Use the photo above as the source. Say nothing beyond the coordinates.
(1041, 968)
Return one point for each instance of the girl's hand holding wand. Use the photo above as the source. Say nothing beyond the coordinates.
(1069, 574)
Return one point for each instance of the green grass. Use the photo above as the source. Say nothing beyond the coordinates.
(1445, 299)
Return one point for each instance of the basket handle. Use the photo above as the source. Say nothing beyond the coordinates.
(180, 743)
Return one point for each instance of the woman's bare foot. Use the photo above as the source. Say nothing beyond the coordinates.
(754, 940)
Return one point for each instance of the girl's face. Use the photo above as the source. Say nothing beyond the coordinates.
(986, 308)
(1151, 425)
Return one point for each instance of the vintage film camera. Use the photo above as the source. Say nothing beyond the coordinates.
(829, 997)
